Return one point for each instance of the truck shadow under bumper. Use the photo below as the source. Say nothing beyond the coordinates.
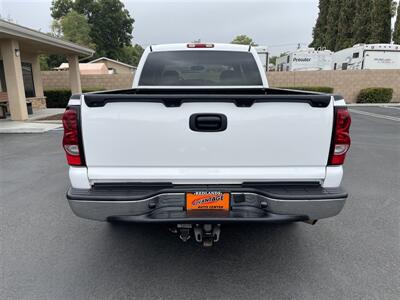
(244, 214)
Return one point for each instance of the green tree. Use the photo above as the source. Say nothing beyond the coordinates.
(381, 17)
(332, 24)
(43, 63)
(75, 28)
(86, 7)
(393, 8)
(362, 22)
(272, 59)
(52, 61)
(60, 8)
(345, 27)
(396, 32)
(111, 28)
(110, 23)
(56, 30)
(243, 39)
(320, 28)
(131, 54)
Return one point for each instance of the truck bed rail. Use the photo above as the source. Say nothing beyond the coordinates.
(176, 100)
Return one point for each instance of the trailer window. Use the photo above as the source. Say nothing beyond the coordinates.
(200, 68)
(356, 55)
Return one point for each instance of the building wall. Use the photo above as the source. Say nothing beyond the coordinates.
(33, 59)
(119, 69)
(38, 102)
(347, 83)
(60, 80)
(93, 69)
(3, 96)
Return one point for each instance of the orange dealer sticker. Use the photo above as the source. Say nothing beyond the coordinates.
(207, 200)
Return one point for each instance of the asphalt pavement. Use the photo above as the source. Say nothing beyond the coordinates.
(48, 253)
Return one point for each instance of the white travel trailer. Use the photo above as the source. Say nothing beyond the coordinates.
(262, 52)
(306, 59)
(367, 56)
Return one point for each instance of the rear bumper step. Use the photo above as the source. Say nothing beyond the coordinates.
(243, 214)
(166, 204)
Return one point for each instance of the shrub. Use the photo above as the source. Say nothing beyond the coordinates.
(319, 89)
(58, 98)
(375, 95)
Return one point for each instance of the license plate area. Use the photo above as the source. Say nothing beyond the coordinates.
(197, 201)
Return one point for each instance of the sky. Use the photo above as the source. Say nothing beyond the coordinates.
(279, 25)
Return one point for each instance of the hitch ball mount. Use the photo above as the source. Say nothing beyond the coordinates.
(207, 234)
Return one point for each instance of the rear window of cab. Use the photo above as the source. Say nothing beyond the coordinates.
(200, 68)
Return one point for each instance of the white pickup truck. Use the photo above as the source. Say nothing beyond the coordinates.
(201, 140)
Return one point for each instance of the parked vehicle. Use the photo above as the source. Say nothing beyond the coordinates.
(367, 56)
(201, 140)
(305, 59)
(262, 52)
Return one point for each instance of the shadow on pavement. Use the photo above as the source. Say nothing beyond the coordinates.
(256, 252)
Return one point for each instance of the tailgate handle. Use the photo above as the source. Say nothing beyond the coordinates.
(208, 122)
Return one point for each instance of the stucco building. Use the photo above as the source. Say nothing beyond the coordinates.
(86, 68)
(114, 66)
(20, 76)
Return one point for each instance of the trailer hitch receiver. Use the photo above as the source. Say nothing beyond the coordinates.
(206, 234)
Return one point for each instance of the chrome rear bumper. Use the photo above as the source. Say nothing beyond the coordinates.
(167, 204)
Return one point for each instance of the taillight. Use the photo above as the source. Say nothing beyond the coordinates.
(341, 136)
(195, 45)
(71, 137)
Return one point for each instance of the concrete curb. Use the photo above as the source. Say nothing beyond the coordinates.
(49, 122)
(373, 104)
(380, 116)
(26, 127)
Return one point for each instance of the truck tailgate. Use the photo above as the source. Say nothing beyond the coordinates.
(139, 141)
